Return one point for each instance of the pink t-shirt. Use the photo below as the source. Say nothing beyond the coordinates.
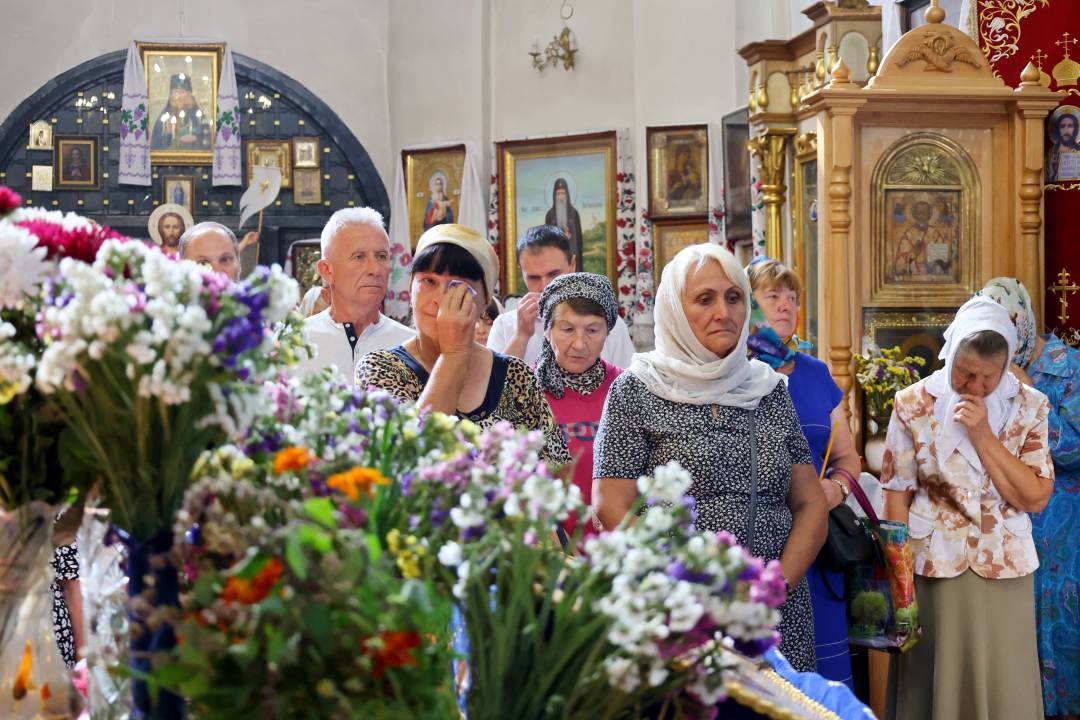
(578, 417)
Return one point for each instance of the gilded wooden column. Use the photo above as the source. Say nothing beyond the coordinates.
(770, 150)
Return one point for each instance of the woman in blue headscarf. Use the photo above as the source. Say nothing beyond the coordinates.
(1052, 367)
(773, 318)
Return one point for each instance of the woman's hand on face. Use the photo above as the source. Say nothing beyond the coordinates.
(971, 413)
(456, 320)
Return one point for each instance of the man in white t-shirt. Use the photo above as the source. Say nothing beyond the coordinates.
(543, 253)
(355, 265)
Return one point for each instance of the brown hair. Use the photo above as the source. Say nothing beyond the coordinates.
(769, 274)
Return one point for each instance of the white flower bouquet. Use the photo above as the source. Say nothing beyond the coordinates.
(153, 361)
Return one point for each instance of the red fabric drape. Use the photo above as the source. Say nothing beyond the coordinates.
(1013, 33)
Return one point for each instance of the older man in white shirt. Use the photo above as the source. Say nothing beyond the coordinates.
(355, 266)
(543, 253)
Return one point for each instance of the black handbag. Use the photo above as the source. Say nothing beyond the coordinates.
(850, 541)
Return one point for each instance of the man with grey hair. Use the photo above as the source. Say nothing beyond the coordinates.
(213, 244)
(355, 265)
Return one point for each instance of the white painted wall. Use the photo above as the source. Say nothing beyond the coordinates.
(436, 72)
(404, 72)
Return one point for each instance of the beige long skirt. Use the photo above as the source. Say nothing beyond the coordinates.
(977, 658)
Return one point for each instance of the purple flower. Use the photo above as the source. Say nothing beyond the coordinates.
(354, 515)
(680, 644)
(770, 587)
(726, 539)
(691, 506)
(193, 534)
(475, 532)
(752, 571)
(756, 647)
(679, 571)
(78, 382)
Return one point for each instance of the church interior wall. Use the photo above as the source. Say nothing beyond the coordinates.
(336, 48)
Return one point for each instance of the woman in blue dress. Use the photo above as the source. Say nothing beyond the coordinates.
(1052, 367)
(816, 397)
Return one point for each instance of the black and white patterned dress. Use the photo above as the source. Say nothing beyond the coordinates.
(640, 431)
(513, 394)
(66, 565)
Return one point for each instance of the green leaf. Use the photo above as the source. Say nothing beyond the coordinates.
(275, 645)
(294, 556)
(312, 537)
(173, 675)
(374, 548)
(321, 510)
(317, 623)
(251, 566)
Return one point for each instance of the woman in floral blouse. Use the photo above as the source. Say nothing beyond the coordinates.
(966, 460)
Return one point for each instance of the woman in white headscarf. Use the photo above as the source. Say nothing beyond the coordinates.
(966, 460)
(728, 420)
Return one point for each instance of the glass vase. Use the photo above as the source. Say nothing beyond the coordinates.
(101, 568)
(34, 682)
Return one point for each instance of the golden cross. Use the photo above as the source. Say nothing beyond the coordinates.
(1064, 287)
(1038, 57)
(1065, 42)
(264, 184)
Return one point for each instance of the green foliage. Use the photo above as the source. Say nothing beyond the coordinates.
(36, 461)
(869, 609)
(312, 646)
(594, 249)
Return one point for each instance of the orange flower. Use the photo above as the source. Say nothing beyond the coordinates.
(291, 458)
(257, 588)
(22, 678)
(352, 482)
(395, 651)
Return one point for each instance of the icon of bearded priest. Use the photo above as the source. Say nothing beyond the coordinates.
(564, 216)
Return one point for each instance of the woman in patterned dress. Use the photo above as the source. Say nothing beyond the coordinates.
(817, 402)
(443, 368)
(966, 459)
(1053, 368)
(728, 420)
(67, 602)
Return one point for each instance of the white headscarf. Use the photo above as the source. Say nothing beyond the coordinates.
(977, 314)
(681, 369)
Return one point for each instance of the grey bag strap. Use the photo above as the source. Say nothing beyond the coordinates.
(751, 515)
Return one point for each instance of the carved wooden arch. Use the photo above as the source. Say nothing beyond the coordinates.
(926, 162)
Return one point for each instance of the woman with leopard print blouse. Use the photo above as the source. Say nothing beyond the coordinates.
(443, 368)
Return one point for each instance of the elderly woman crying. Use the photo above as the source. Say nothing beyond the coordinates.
(966, 459)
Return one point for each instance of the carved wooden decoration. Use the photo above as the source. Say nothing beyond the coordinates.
(932, 183)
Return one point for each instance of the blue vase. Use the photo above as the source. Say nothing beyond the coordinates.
(150, 560)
